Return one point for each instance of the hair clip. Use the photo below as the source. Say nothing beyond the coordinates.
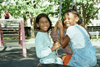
(67, 13)
(80, 20)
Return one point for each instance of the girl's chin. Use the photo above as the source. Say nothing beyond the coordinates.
(67, 25)
(43, 31)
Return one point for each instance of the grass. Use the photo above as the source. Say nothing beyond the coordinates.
(28, 39)
(93, 38)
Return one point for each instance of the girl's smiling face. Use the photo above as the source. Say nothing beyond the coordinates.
(43, 24)
(66, 23)
(70, 19)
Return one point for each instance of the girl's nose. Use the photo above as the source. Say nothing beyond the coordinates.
(45, 23)
(66, 20)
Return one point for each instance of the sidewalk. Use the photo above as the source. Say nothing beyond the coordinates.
(97, 46)
(12, 57)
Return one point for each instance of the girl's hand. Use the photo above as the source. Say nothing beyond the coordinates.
(59, 25)
(55, 46)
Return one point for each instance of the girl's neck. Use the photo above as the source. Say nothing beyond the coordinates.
(43, 31)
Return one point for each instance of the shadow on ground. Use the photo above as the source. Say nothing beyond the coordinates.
(98, 54)
(14, 58)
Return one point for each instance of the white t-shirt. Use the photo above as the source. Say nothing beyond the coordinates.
(76, 37)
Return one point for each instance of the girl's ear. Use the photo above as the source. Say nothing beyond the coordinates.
(76, 19)
(37, 24)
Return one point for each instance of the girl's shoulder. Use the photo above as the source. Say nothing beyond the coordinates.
(41, 34)
(38, 36)
(71, 28)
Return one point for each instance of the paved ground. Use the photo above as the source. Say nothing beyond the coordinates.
(12, 57)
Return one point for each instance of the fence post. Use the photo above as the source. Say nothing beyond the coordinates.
(24, 53)
(1, 37)
(97, 35)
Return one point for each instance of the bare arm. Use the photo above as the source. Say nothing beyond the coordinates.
(10, 16)
(63, 40)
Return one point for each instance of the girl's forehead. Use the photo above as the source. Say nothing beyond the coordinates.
(43, 19)
(69, 14)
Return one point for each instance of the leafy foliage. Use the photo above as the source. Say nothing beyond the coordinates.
(87, 9)
(31, 8)
(27, 8)
(84, 7)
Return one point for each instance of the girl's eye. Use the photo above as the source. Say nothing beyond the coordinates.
(47, 21)
(41, 22)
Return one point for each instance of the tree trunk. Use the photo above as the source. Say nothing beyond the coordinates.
(33, 26)
(86, 26)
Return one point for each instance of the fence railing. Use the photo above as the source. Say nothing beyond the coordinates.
(10, 25)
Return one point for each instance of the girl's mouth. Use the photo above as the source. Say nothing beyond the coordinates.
(45, 27)
(67, 24)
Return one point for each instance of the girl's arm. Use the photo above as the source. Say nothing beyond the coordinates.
(43, 51)
(10, 16)
(55, 46)
(63, 40)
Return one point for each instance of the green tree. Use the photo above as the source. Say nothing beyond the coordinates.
(85, 8)
(89, 11)
(28, 8)
(31, 8)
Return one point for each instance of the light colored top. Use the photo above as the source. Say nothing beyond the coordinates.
(76, 37)
(43, 49)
